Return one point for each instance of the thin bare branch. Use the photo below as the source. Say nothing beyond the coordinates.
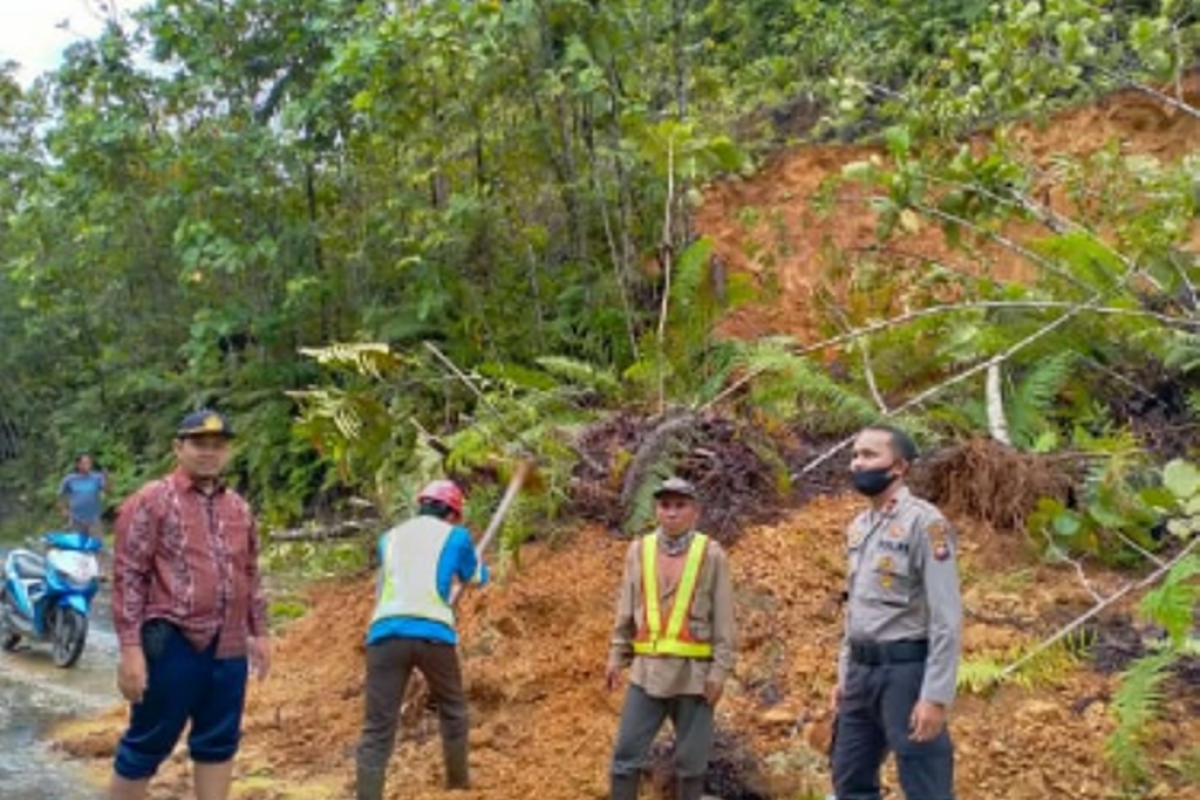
(1003, 241)
(949, 308)
(462, 376)
(1150, 91)
(620, 267)
(933, 391)
(667, 248)
(864, 348)
(1081, 620)
(1132, 545)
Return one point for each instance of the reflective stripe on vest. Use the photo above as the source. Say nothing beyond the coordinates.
(676, 640)
(409, 572)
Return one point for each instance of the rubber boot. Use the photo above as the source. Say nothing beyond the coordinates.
(624, 787)
(690, 788)
(458, 771)
(368, 783)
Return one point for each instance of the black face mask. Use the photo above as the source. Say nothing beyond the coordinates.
(872, 482)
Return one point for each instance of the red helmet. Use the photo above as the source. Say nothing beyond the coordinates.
(445, 492)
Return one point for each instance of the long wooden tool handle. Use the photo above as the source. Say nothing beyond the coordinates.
(524, 467)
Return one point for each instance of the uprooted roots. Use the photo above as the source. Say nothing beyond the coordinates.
(733, 771)
(993, 483)
(741, 474)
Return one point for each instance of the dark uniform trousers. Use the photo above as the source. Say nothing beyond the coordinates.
(873, 719)
(691, 717)
(389, 665)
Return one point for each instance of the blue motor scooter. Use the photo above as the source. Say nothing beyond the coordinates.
(48, 598)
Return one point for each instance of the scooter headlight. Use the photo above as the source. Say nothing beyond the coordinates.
(79, 569)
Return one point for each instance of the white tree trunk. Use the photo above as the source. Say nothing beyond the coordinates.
(997, 422)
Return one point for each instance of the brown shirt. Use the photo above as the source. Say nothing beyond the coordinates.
(711, 620)
(190, 558)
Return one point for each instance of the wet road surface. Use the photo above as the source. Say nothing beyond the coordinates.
(34, 694)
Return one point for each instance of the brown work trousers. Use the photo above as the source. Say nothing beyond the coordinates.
(389, 665)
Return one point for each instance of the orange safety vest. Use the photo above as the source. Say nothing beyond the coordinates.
(672, 639)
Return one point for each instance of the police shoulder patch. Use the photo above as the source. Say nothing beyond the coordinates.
(938, 532)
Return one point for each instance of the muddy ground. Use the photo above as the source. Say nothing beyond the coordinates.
(534, 650)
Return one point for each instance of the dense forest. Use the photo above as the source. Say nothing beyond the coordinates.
(388, 236)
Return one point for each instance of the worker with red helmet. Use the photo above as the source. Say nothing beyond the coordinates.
(413, 628)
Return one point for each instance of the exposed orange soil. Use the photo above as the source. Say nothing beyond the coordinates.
(542, 725)
(767, 225)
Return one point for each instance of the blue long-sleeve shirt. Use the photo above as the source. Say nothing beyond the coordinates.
(457, 560)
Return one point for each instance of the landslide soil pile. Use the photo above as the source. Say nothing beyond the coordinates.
(767, 225)
(534, 648)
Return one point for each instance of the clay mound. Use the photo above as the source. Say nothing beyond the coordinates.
(767, 226)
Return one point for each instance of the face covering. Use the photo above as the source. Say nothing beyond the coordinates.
(872, 482)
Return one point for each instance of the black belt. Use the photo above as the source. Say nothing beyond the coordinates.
(905, 651)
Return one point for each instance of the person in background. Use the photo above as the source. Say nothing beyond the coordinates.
(81, 494)
(189, 613)
(675, 626)
(899, 659)
(412, 627)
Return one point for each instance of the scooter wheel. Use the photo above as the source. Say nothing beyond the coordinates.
(70, 634)
(9, 639)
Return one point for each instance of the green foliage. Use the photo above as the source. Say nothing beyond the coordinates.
(790, 387)
(1135, 705)
(316, 559)
(1140, 698)
(686, 360)
(1123, 504)
(1187, 765)
(283, 610)
(208, 200)
(1173, 604)
(377, 432)
(985, 672)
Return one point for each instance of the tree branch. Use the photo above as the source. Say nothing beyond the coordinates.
(667, 248)
(1150, 91)
(1078, 622)
(1003, 241)
(929, 311)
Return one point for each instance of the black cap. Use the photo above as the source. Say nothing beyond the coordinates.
(678, 486)
(204, 421)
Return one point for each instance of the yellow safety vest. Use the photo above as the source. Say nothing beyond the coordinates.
(675, 640)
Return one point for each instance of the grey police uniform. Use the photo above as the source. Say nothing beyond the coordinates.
(903, 637)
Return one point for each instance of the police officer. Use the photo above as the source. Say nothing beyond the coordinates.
(899, 658)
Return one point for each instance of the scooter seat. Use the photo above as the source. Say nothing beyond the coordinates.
(28, 565)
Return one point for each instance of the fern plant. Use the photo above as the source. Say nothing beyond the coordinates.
(1139, 698)
(373, 423)
(987, 671)
(787, 387)
(1135, 705)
